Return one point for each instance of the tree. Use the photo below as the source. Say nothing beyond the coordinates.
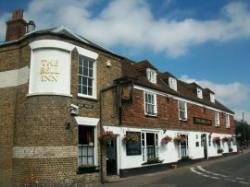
(242, 129)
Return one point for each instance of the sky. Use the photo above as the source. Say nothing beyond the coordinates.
(203, 41)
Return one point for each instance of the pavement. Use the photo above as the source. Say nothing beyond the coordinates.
(230, 171)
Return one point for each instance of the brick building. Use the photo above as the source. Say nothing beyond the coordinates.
(60, 91)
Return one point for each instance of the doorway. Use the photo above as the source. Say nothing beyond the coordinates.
(111, 157)
(204, 145)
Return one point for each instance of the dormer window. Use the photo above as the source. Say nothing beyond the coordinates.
(199, 93)
(212, 97)
(172, 83)
(151, 75)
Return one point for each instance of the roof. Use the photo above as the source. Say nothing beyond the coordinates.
(132, 70)
(64, 32)
(185, 90)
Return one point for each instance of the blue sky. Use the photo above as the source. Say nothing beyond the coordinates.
(203, 41)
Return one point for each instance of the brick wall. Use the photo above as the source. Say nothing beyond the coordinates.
(38, 121)
(167, 117)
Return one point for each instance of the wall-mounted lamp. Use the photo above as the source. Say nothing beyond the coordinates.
(67, 125)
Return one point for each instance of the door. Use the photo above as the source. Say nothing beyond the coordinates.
(111, 158)
(204, 144)
(183, 146)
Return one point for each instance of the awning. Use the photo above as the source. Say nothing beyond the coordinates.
(86, 121)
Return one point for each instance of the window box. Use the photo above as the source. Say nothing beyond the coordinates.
(153, 161)
(87, 169)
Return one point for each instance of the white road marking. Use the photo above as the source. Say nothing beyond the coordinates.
(202, 174)
(209, 174)
(212, 173)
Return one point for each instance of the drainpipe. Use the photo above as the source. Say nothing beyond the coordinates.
(101, 126)
(117, 86)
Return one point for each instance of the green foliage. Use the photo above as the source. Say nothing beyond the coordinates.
(242, 132)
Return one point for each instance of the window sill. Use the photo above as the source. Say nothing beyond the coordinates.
(91, 169)
(183, 120)
(151, 115)
(87, 96)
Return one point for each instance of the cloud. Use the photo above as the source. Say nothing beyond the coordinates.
(238, 115)
(131, 24)
(235, 95)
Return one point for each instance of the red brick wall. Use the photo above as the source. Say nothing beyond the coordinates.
(167, 117)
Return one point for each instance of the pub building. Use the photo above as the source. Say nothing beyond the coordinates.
(74, 113)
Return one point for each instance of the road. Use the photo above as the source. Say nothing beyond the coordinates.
(229, 171)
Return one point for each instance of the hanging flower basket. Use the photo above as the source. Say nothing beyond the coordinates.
(225, 139)
(230, 139)
(131, 137)
(106, 137)
(166, 140)
(180, 139)
(216, 140)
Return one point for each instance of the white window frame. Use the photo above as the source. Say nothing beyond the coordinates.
(227, 121)
(93, 96)
(199, 93)
(95, 145)
(212, 97)
(185, 110)
(154, 104)
(217, 118)
(151, 75)
(172, 82)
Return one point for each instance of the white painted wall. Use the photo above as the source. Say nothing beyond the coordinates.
(167, 153)
(50, 67)
(14, 77)
(50, 72)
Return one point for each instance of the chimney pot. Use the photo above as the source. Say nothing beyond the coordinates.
(16, 27)
(17, 14)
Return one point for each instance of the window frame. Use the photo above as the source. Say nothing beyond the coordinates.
(93, 96)
(217, 118)
(185, 110)
(212, 98)
(227, 121)
(154, 104)
(199, 93)
(151, 75)
(172, 82)
(94, 146)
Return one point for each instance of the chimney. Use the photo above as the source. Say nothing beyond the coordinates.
(16, 27)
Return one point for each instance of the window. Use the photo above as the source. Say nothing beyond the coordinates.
(172, 83)
(86, 77)
(151, 75)
(199, 93)
(217, 118)
(85, 146)
(182, 110)
(150, 104)
(227, 121)
(133, 147)
(212, 98)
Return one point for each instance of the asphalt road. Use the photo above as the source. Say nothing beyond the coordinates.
(231, 171)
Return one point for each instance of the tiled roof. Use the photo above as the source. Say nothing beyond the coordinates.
(184, 90)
